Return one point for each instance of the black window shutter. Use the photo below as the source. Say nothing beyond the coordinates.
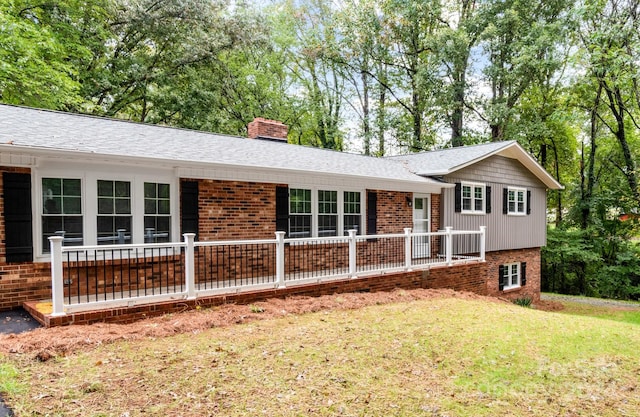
(17, 217)
(189, 207)
(523, 274)
(372, 212)
(282, 209)
(501, 277)
(487, 205)
(505, 201)
(528, 202)
(458, 200)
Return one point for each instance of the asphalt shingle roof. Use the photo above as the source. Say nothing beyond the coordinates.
(56, 131)
(445, 161)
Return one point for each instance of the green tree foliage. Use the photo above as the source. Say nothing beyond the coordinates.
(312, 37)
(45, 48)
(163, 53)
(521, 40)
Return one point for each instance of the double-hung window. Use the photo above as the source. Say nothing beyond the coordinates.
(62, 211)
(321, 212)
(101, 208)
(352, 212)
(516, 201)
(300, 212)
(327, 213)
(157, 212)
(114, 221)
(510, 276)
(473, 198)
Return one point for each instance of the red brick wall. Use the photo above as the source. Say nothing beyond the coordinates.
(482, 278)
(24, 282)
(531, 256)
(386, 282)
(435, 212)
(233, 210)
(246, 210)
(464, 277)
(394, 214)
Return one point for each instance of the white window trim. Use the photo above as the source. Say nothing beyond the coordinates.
(89, 178)
(484, 198)
(508, 285)
(341, 214)
(524, 196)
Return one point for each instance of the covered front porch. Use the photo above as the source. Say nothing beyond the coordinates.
(122, 283)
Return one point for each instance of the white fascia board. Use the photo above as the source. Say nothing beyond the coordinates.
(245, 173)
(279, 176)
(517, 152)
(16, 159)
(511, 150)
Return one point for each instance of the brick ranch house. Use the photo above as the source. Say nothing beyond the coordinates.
(92, 181)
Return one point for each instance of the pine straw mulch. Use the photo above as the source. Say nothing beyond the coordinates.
(46, 343)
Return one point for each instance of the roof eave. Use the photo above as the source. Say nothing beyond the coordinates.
(424, 184)
(512, 149)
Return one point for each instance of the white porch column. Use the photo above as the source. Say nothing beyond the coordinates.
(483, 242)
(189, 265)
(449, 245)
(353, 251)
(407, 248)
(280, 259)
(57, 281)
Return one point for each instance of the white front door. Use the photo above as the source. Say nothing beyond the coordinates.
(421, 222)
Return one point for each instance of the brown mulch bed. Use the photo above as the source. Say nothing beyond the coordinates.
(46, 343)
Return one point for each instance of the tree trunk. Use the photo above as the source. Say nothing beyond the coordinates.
(366, 127)
(382, 103)
(588, 182)
(617, 106)
(458, 113)
(416, 143)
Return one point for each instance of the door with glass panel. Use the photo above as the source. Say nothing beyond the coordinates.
(421, 221)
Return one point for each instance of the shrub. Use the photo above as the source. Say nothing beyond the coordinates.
(523, 301)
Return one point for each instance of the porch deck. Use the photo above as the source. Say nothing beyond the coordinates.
(127, 282)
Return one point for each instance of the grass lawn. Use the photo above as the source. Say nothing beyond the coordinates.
(435, 357)
(609, 313)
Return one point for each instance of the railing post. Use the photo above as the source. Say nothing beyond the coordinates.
(449, 245)
(190, 265)
(280, 259)
(483, 240)
(407, 248)
(57, 280)
(353, 251)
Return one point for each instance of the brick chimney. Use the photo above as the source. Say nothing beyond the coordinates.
(266, 129)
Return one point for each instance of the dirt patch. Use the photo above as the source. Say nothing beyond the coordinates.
(47, 343)
(548, 305)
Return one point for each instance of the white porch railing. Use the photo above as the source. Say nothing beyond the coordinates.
(109, 276)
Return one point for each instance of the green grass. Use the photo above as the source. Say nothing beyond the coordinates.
(438, 357)
(9, 379)
(603, 312)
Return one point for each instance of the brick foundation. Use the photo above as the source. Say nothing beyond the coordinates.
(384, 282)
(531, 256)
(482, 278)
(470, 277)
(24, 282)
